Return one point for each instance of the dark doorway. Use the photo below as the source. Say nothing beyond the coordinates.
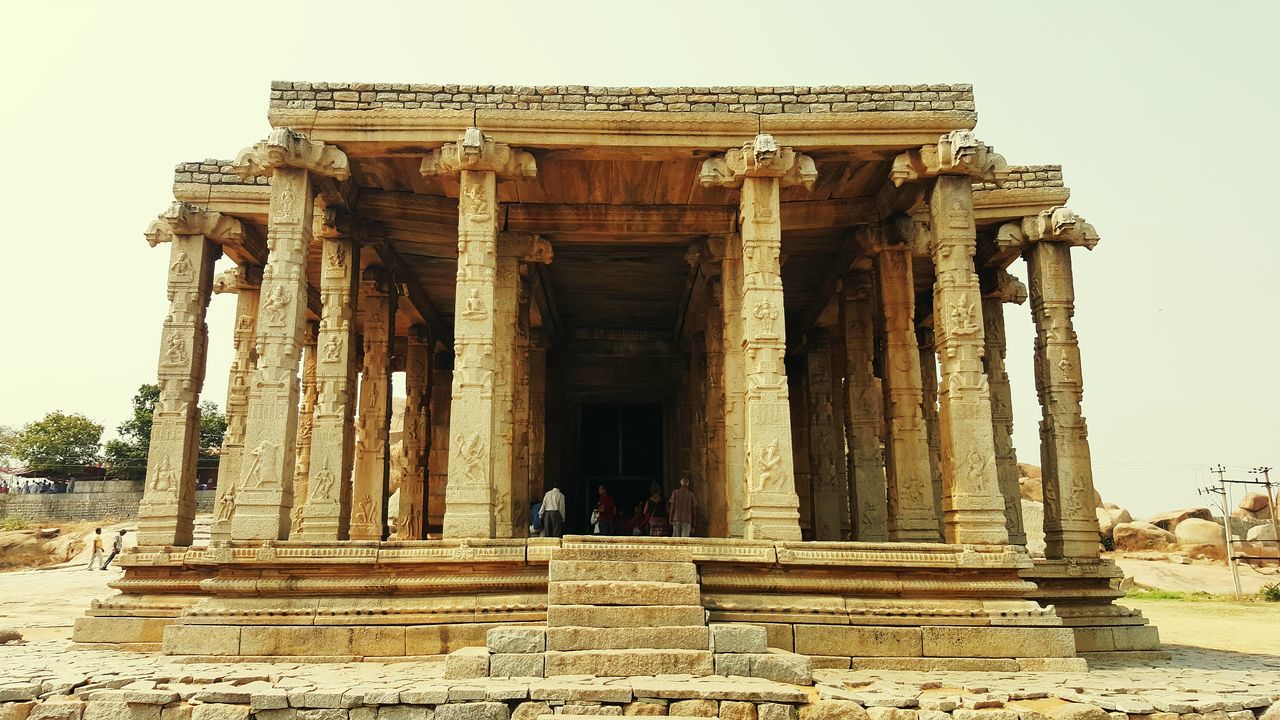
(620, 447)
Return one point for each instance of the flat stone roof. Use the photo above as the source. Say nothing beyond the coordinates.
(740, 99)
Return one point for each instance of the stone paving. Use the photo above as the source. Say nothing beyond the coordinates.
(1195, 684)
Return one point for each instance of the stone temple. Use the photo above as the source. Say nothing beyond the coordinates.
(793, 296)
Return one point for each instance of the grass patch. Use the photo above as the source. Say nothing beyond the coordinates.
(1169, 595)
(13, 523)
(1270, 593)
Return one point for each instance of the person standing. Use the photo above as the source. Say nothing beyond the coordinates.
(97, 550)
(117, 546)
(655, 513)
(606, 512)
(552, 512)
(680, 507)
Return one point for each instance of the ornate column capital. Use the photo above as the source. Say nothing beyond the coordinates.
(241, 277)
(479, 152)
(998, 284)
(1057, 224)
(956, 153)
(182, 218)
(760, 157)
(286, 148)
(526, 247)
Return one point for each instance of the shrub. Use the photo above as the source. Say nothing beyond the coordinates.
(1271, 592)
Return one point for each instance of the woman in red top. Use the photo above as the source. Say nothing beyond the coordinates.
(607, 512)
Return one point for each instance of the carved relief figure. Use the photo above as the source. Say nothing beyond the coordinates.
(766, 312)
(323, 489)
(475, 305)
(277, 305)
(337, 259)
(364, 511)
(770, 459)
(962, 316)
(181, 267)
(228, 506)
(332, 347)
(175, 351)
(477, 204)
(263, 454)
(163, 480)
(286, 202)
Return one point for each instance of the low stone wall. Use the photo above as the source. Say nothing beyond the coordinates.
(83, 506)
(742, 99)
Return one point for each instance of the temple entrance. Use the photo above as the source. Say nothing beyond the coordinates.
(620, 446)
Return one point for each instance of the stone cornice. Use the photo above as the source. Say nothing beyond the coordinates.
(234, 279)
(182, 218)
(475, 151)
(286, 148)
(956, 153)
(1058, 224)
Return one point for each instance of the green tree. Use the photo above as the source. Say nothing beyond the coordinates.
(58, 443)
(126, 457)
(7, 437)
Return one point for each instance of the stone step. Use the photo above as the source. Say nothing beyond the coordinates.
(619, 553)
(677, 572)
(626, 663)
(625, 617)
(653, 638)
(622, 592)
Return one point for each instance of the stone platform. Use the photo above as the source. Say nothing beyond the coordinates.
(834, 602)
(46, 681)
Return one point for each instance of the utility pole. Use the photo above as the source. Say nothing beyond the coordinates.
(1220, 471)
(1265, 472)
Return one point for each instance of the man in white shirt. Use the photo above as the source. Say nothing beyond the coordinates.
(552, 513)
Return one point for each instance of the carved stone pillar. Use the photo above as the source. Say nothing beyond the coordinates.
(840, 416)
(438, 458)
(244, 281)
(411, 516)
(826, 444)
(974, 507)
(910, 479)
(306, 423)
(326, 512)
(473, 492)
(371, 482)
(999, 288)
(522, 494)
(1070, 525)
(929, 403)
(166, 514)
(699, 479)
(733, 383)
(770, 503)
(869, 504)
(537, 433)
(265, 492)
(715, 469)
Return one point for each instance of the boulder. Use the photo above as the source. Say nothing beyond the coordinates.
(1033, 525)
(1169, 520)
(9, 635)
(1261, 533)
(1195, 531)
(1141, 536)
(1110, 515)
(1254, 502)
(1031, 489)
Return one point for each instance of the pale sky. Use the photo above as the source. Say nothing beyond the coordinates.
(1164, 119)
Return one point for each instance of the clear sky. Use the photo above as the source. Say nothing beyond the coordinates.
(1164, 116)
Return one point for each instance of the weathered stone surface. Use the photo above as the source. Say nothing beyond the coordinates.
(20, 710)
(733, 664)
(580, 710)
(467, 663)
(597, 592)
(405, 712)
(473, 711)
(1170, 520)
(641, 708)
(738, 638)
(219, 711)
(517, 665)
(783, 666)
(622, 663)
(693, 708)
(111, 710)
(737, 710)
(676, 638)
(776, 711)
(1140, 535)
(891, 713)
(997, 642)
(854, 640)
(1195, 531)
(205, 639)
(516, 639)
(670, 572)
(620, 617)
(530, 710)
(833, 710)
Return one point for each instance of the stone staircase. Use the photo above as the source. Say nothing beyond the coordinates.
(619, 611)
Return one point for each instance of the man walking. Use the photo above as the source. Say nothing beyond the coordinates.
(552, 513)
(97, 550)
(680, 509)
(117, 545)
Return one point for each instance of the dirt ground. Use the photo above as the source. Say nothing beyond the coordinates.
(1214, 579)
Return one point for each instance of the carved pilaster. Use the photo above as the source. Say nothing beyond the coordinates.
(910, 479)
(438, 459)
(306, 424)
(244, 281)
(326, 513)
(166, 514)
(537, 424)
(869, 504)
(411, 516)
(840, 418)
(265, 492)
(715, 468)
(999, 288)
(522, 492)
(1071, 530)
(372, 478)
(733, 386)
(473, 493)
(770, 504)
(826, 444)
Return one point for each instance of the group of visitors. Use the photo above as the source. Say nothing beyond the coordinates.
(32, 487)
(657, 516)
(117, 545)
